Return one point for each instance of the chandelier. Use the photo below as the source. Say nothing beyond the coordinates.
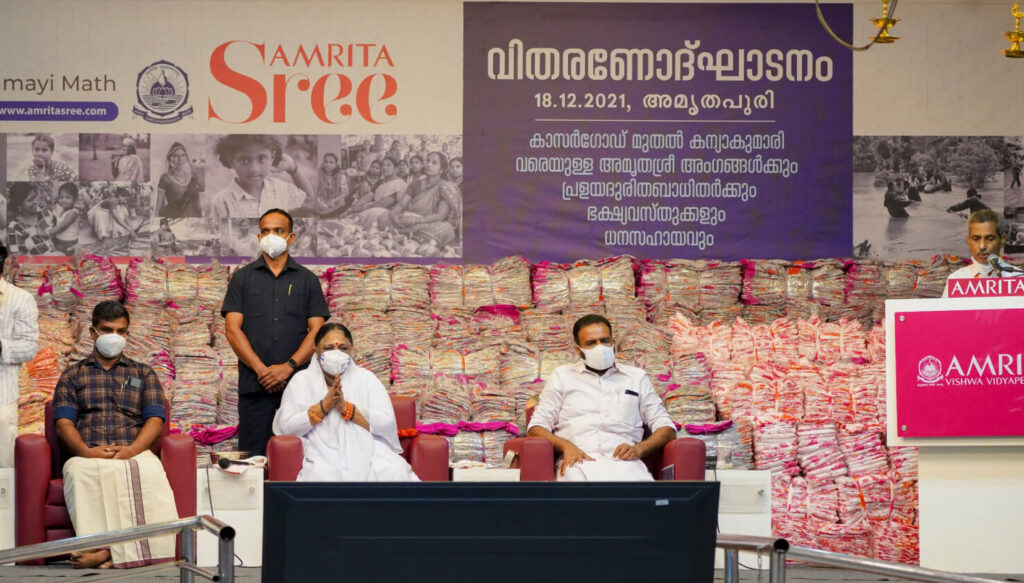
(883, 24)
(1015, 36)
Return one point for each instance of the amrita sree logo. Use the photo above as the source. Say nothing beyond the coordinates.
(929, 370)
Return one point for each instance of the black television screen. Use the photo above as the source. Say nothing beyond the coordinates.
(489, 532)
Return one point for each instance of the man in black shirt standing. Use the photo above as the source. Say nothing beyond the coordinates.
(272, 310)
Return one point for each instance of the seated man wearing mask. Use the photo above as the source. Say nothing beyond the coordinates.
(593, 412)
(986, 234)
(344, 417)
(108, 410)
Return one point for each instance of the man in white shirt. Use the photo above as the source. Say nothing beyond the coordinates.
(19, 333)
(594, 411)
(986, 234)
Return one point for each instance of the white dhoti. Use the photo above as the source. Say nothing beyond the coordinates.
(104, 495)
(606, 469)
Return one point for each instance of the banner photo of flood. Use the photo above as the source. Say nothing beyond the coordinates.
(912, 194)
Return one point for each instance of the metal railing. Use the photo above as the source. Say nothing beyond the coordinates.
(186, 527)
(732, 544)
(780, 550)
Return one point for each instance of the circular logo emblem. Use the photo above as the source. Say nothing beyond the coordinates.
(929, 370)
(162, 92)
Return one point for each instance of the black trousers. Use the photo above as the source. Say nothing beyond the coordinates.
(255, 417)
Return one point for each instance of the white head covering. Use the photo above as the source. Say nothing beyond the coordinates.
(335, 448)
(315, 378)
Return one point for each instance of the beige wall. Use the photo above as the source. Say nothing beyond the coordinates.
(121, 37)
(944, 77)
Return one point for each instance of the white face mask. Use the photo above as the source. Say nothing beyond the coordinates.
(273, 245)
(110, 345)
(334, 362)
(599, 357)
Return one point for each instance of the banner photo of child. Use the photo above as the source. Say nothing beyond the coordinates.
(250, 174)
(66, 219)
(107, 218)
(26, 223)
(42, 157)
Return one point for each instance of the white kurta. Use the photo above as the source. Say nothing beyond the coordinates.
(597, 414)
(336, 450)
(19, 335)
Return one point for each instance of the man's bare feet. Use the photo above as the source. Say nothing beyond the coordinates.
(99, 559)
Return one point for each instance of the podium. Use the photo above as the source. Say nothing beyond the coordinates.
(955, 390)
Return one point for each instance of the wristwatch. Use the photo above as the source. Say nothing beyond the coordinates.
(293, 364)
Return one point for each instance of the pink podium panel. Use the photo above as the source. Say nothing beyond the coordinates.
(960, 373)
(985, 287)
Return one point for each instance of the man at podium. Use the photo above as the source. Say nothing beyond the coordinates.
(986, 234)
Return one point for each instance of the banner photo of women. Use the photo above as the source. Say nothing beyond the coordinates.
(362, 197)
(396, 197)
(65, 218)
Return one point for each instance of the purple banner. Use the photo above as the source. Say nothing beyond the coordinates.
(657, 130)
(58, 111)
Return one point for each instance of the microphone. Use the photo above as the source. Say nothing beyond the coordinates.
(1002, 267)
(225, 463)
(993, 260)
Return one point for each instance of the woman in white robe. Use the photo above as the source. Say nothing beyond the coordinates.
(365, 447)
